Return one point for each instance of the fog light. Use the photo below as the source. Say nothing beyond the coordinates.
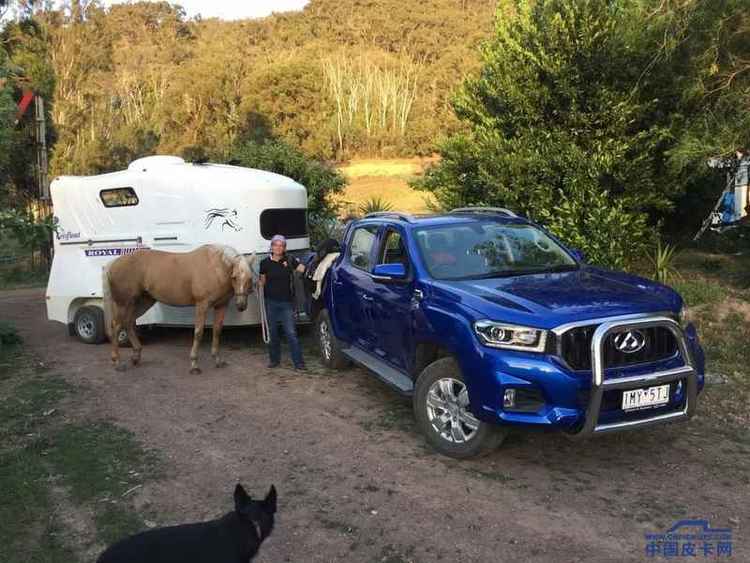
(509, 398)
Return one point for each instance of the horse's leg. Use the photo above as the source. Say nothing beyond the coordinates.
(200, 321)
(117, 322)
(141, 306)
(219, 313)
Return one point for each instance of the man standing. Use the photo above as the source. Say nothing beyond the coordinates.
(276, 277)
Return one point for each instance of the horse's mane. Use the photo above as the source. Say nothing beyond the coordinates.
(230, 256)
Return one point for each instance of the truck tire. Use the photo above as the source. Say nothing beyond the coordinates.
(441, 409)
(330, 346)
(88, 324)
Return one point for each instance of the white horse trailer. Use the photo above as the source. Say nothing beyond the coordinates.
(164, 203)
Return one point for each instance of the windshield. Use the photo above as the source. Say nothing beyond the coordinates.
(488, 249)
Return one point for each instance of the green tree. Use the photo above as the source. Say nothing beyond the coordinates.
(7, 111)
(558, 125)
(322, 181)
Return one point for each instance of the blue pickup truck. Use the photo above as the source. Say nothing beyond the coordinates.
(488, 322)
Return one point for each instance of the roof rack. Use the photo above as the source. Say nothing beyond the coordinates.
(393, 214)
(499, 210)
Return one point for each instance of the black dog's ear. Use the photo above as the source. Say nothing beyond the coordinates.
(241, 498)
(269, 503)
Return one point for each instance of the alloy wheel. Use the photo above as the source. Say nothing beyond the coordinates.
(448, 411)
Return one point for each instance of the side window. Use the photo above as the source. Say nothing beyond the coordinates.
(393, 250)
(361, 246)
(118, 197)
(292, 223)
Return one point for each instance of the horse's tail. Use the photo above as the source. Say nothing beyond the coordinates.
(107, 301)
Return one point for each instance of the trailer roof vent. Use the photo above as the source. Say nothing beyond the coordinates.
(152, 161)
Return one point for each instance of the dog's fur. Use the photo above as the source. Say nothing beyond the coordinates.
(233, 538)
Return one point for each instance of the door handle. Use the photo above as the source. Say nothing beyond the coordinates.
(366, 297)
(418, 295)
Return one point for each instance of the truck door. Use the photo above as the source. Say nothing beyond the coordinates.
(392, 303)
(352, 289)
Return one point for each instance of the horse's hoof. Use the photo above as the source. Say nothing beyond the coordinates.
(120, 367)
(135, 361)
(195, 371)
(221, 364)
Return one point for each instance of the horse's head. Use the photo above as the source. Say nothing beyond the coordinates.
(242, 280)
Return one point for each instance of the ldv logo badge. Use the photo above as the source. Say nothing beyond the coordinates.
(630, 342)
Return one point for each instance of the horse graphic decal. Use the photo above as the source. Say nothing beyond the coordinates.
(225, 217)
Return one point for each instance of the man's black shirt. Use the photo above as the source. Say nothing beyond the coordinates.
(278, 277)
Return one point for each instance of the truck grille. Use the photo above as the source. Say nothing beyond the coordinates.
(575, 348)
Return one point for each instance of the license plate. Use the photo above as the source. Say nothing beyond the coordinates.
(645, 398)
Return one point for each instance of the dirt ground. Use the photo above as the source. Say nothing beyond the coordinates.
(356, 481)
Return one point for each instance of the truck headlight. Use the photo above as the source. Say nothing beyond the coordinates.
(512, 337)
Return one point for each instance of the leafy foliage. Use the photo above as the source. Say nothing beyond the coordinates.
(375, 204)
(140, 78)
(578, 111)
(663, 262)
(7, 110)
(591, 220)
(556, 129)
(321, 180)
(27, 230)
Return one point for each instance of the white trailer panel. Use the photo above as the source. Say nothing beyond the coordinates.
(164, 203)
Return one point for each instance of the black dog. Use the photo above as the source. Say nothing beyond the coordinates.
(233, 538)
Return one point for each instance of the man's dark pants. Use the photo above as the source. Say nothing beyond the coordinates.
(281, 313)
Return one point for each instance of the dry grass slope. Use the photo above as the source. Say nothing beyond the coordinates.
(387, 179)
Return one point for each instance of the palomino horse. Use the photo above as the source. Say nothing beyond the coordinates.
(206, 277)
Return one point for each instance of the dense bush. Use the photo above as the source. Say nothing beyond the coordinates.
(557, 131)
(580, 116)
(321, 180)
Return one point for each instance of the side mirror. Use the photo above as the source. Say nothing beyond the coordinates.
(579, 255)
(389, 272)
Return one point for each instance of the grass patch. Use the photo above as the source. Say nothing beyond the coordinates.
(28, 405)
(9, 337)
(383, 167)
(28, 530)
(726, 343)
(699, 292)
(96, 463)
(100, 462)
(729, 270)
(385, 178)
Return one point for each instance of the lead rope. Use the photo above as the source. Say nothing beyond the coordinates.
(261, 304)
(263, 318)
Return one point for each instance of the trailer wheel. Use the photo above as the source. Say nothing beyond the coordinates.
(330, 346)
(88, 325)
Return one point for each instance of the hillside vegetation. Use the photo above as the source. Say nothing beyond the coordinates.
(360, 77)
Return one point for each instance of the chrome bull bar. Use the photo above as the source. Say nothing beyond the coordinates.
(599, 385)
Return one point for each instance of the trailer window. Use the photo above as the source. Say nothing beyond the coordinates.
(292, 223)
(119, 197)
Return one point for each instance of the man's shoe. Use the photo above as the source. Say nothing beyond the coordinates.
(272, 365)
(300, 368)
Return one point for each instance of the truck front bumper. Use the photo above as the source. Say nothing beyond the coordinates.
(599, 386)
(586, 404)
